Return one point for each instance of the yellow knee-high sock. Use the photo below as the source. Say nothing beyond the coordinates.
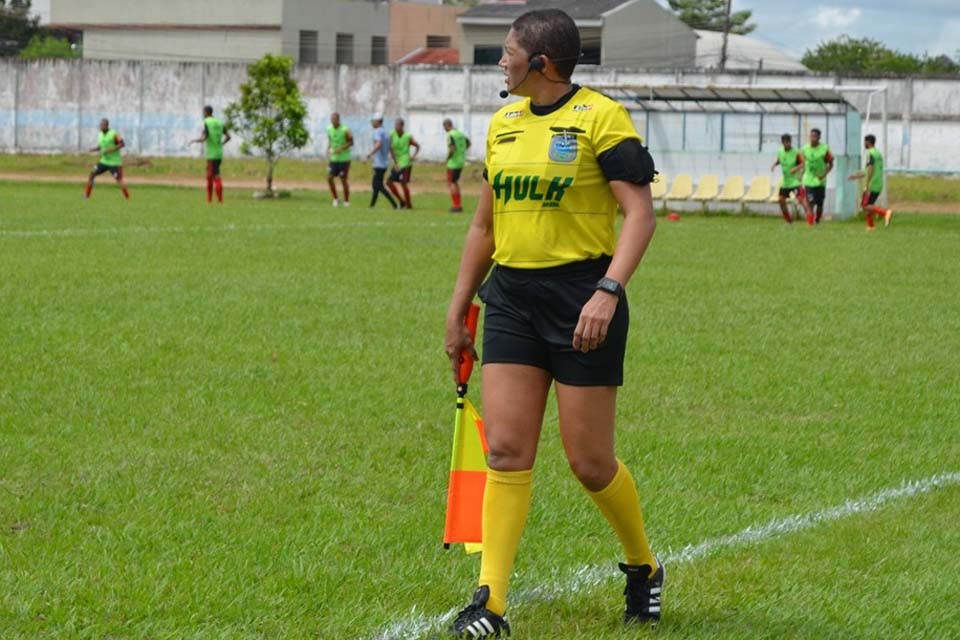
(620, 505)
(506, 503)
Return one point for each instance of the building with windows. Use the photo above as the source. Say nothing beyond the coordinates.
(309, 31)
(621, 33)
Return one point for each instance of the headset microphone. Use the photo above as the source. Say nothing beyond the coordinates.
(536, 64)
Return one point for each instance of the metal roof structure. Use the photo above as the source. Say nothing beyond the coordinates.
(749, 99)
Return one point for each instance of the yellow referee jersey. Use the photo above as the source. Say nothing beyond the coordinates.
(552, 203)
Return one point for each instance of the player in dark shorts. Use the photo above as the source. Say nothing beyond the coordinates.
(790, 161)
(214, 136)
(340, 153)
(109, 143)
(874, 179)
(457, 145)
(817, 164)
(400, 143)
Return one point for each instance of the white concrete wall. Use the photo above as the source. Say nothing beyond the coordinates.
(55, 106)
(213, 45)
(262, 12)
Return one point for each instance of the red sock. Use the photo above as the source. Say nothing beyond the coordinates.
(209, 189)
(126, 194)
(396, 192)
(869, 211)
(86, 192)
(346, 191)
(457, 201)
(810, 218)
(218, 185)
(406, 194)
(786, 216)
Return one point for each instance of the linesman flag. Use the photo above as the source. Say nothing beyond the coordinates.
(468, 460)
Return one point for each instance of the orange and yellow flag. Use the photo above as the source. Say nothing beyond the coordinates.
(468, 477)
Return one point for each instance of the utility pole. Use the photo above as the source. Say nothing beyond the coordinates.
(726, 33)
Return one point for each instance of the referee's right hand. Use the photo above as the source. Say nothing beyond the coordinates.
(457, 342)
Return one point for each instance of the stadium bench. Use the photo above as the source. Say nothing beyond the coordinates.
(759, 190)
(732, 190)
(680, 189)
(707, 189)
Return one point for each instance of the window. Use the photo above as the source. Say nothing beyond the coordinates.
(308, 47)
(378, 50)
(344, 48)
(486, 54)
(439, 42)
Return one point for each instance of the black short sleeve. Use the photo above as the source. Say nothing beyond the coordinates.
(628, 161)
(485, 175)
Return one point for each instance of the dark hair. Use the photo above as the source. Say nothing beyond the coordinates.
(785, 138)
(208, 110)
(551, 33)
(816, 131)
(872, 139)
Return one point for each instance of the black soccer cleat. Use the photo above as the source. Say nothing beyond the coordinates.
(476, 621)
(643, 593)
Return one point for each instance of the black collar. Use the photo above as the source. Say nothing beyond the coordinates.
(545, 110)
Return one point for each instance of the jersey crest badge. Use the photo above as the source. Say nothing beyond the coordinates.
(563, 147)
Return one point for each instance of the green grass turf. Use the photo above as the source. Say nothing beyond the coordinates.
(234, 422)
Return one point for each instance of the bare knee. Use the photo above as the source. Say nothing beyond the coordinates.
(509, 456)
(594, 472)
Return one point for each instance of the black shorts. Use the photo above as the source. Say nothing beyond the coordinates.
(453, 175)
(115, 171)
(869, 197)
(213, 167)
(341, 169)
(401, 175)
(530, 317)
(816, 195)
(786, 191)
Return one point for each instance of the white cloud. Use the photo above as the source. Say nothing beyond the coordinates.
(834, 18)
(947, 42)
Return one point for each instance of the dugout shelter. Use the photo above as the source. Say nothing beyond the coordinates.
(734, 132)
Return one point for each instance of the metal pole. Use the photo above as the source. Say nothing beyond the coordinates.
(16, 104)
(886, 146)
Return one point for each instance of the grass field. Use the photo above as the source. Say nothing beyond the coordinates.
(234, 422)
(430, 176)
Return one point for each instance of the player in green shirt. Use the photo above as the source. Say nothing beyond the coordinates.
(457, 145)
(817, 163)
(790, 161)
(400, 143)
(108, 146)
(214, 136)
(874, 175)
(340, 141)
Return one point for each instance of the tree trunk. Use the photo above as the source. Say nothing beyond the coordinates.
(271, 161)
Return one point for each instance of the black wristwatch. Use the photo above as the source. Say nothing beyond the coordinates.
(611, 286)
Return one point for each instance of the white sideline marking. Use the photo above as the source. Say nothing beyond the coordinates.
(588, 577)
(228, 228)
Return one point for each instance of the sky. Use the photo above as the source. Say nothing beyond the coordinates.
(911, 26)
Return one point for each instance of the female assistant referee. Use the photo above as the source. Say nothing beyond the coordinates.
(558, 165)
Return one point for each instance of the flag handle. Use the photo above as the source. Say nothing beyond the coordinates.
(466, 360)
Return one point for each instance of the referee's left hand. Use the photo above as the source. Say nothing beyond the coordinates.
(594, 320)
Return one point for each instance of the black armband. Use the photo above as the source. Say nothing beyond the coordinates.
(628, 161)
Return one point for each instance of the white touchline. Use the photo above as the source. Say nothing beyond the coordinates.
(588, 577)
(82, 232)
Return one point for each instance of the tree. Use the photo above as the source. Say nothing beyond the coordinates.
(270, 113)
(49, 46)
(16, 26)
(866, 56)
(711, 15)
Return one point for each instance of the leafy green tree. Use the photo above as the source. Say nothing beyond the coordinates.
(866, 56)
(270, 113)
(711, 15)
(48, 46)
(17, 26)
